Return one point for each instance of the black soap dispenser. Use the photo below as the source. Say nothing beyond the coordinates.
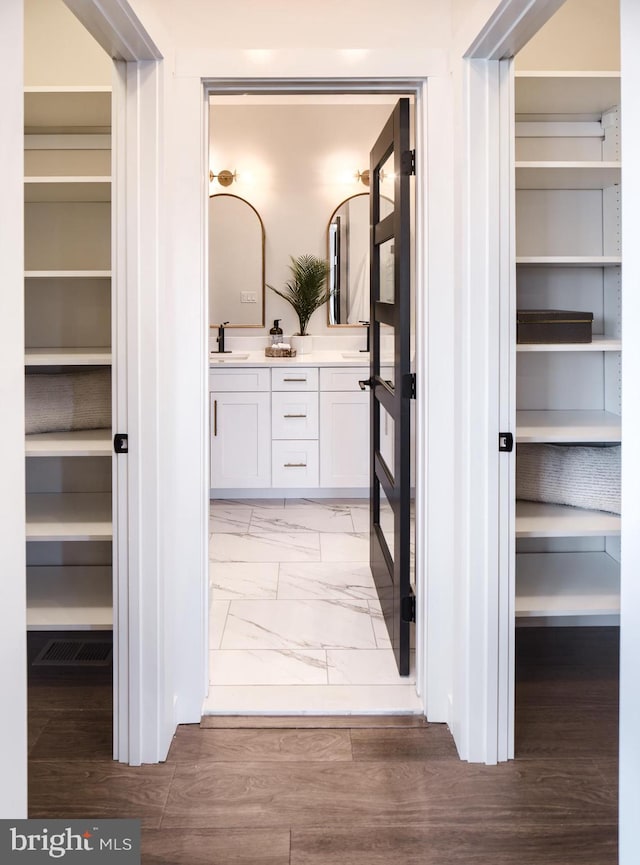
(276, 332)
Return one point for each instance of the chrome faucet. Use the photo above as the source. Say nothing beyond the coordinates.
(220, 339)
(368, 326)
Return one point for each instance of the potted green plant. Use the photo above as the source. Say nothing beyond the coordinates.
(306, 291)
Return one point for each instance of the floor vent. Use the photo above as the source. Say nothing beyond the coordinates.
(74, 653)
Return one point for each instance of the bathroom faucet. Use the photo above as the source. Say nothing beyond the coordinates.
(220, 339)
(368, 326)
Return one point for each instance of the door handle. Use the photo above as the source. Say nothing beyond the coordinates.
(294, 415)
(366, 382)
(295, 465)
(294, 379)
(215, 417)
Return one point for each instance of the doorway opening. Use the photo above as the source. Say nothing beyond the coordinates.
(295, 622)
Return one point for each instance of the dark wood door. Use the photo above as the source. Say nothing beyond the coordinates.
(391, 381)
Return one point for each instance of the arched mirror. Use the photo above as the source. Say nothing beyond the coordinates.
(236, 262)
(348, 256)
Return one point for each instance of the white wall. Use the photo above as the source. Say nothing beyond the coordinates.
(13, 719)
(296, 163)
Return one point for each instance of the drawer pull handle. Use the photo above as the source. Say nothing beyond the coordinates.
(294, 379)
(215, 417)
(295, 465)
(294, 415)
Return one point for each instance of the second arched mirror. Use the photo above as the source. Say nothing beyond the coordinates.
(236, 262)
(348, 256)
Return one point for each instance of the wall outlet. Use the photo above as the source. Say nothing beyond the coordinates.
(248, 297)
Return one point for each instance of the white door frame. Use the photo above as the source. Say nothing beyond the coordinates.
(434, 327)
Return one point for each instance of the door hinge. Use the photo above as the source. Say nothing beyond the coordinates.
(505, 442)
(409, 162)
(409, 389)
(121, 443)
(408, 608)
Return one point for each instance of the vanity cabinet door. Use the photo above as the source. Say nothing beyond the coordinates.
(344, 439)
(240, 440)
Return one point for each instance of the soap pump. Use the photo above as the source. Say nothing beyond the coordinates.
(276, 332)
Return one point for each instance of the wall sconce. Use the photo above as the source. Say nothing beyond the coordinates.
(224, 177)
(363, 177)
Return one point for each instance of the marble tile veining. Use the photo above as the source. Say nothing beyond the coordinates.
(364, 667)
(266, 547)
(218, 611)
(311, 699)
(344, 547)
(233, 580)
(298, 624)
(301, 520)
(268, 667)
(326, 580)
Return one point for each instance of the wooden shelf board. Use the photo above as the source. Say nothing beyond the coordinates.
(67, 274)
(567, 426)
(568, 260)
(599, 343)
(79, 189)
(567, 175)
(541, 520)
(69, 598)
(551, 92)
(85, 356)
(79, 443)
(69, 517)
(64, 108)
(567, 584)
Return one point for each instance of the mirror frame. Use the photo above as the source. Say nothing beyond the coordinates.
(264, 292)
(335, 210)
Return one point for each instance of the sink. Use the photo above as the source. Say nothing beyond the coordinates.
(356, 355)
(228, 357)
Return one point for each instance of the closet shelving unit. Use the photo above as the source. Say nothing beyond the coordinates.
(567, 172)
(67, 327)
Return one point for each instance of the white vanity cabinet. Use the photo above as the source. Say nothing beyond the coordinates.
(288, 427)
(344, 428)
(240, 424)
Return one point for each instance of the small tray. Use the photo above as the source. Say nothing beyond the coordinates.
(279, 352)
(553, 326)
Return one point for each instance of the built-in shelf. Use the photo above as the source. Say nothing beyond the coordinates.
(69, 598)
(85, 356)
(566, 93)
(62, 109)
(541, 520)
(567, 426)
(64, 188)
(567, 175)
(67, 274)
(599, 343)
(567, 584)
(568, 260)
(69, 517)
(79, 443)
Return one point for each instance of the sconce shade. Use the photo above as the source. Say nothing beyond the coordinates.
(363, 177)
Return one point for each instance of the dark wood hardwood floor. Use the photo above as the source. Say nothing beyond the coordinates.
(352, 792)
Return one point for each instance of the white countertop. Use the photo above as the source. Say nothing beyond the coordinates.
(238, 358)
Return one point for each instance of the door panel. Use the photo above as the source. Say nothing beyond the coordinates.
(390, 378)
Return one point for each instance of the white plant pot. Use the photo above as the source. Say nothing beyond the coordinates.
(302, 344)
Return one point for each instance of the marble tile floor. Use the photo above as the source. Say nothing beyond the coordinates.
(295, 625)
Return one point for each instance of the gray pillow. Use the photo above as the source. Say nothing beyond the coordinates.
(68, 401)
(585, 477)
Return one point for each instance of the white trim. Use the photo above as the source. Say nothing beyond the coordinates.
(13, 675)
(115, 26)
(512, 25)
(433, 257)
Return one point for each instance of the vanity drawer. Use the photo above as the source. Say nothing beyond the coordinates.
(237, 380)
(294, 464)
(294, 415)
(342, 378)
(294, 378)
